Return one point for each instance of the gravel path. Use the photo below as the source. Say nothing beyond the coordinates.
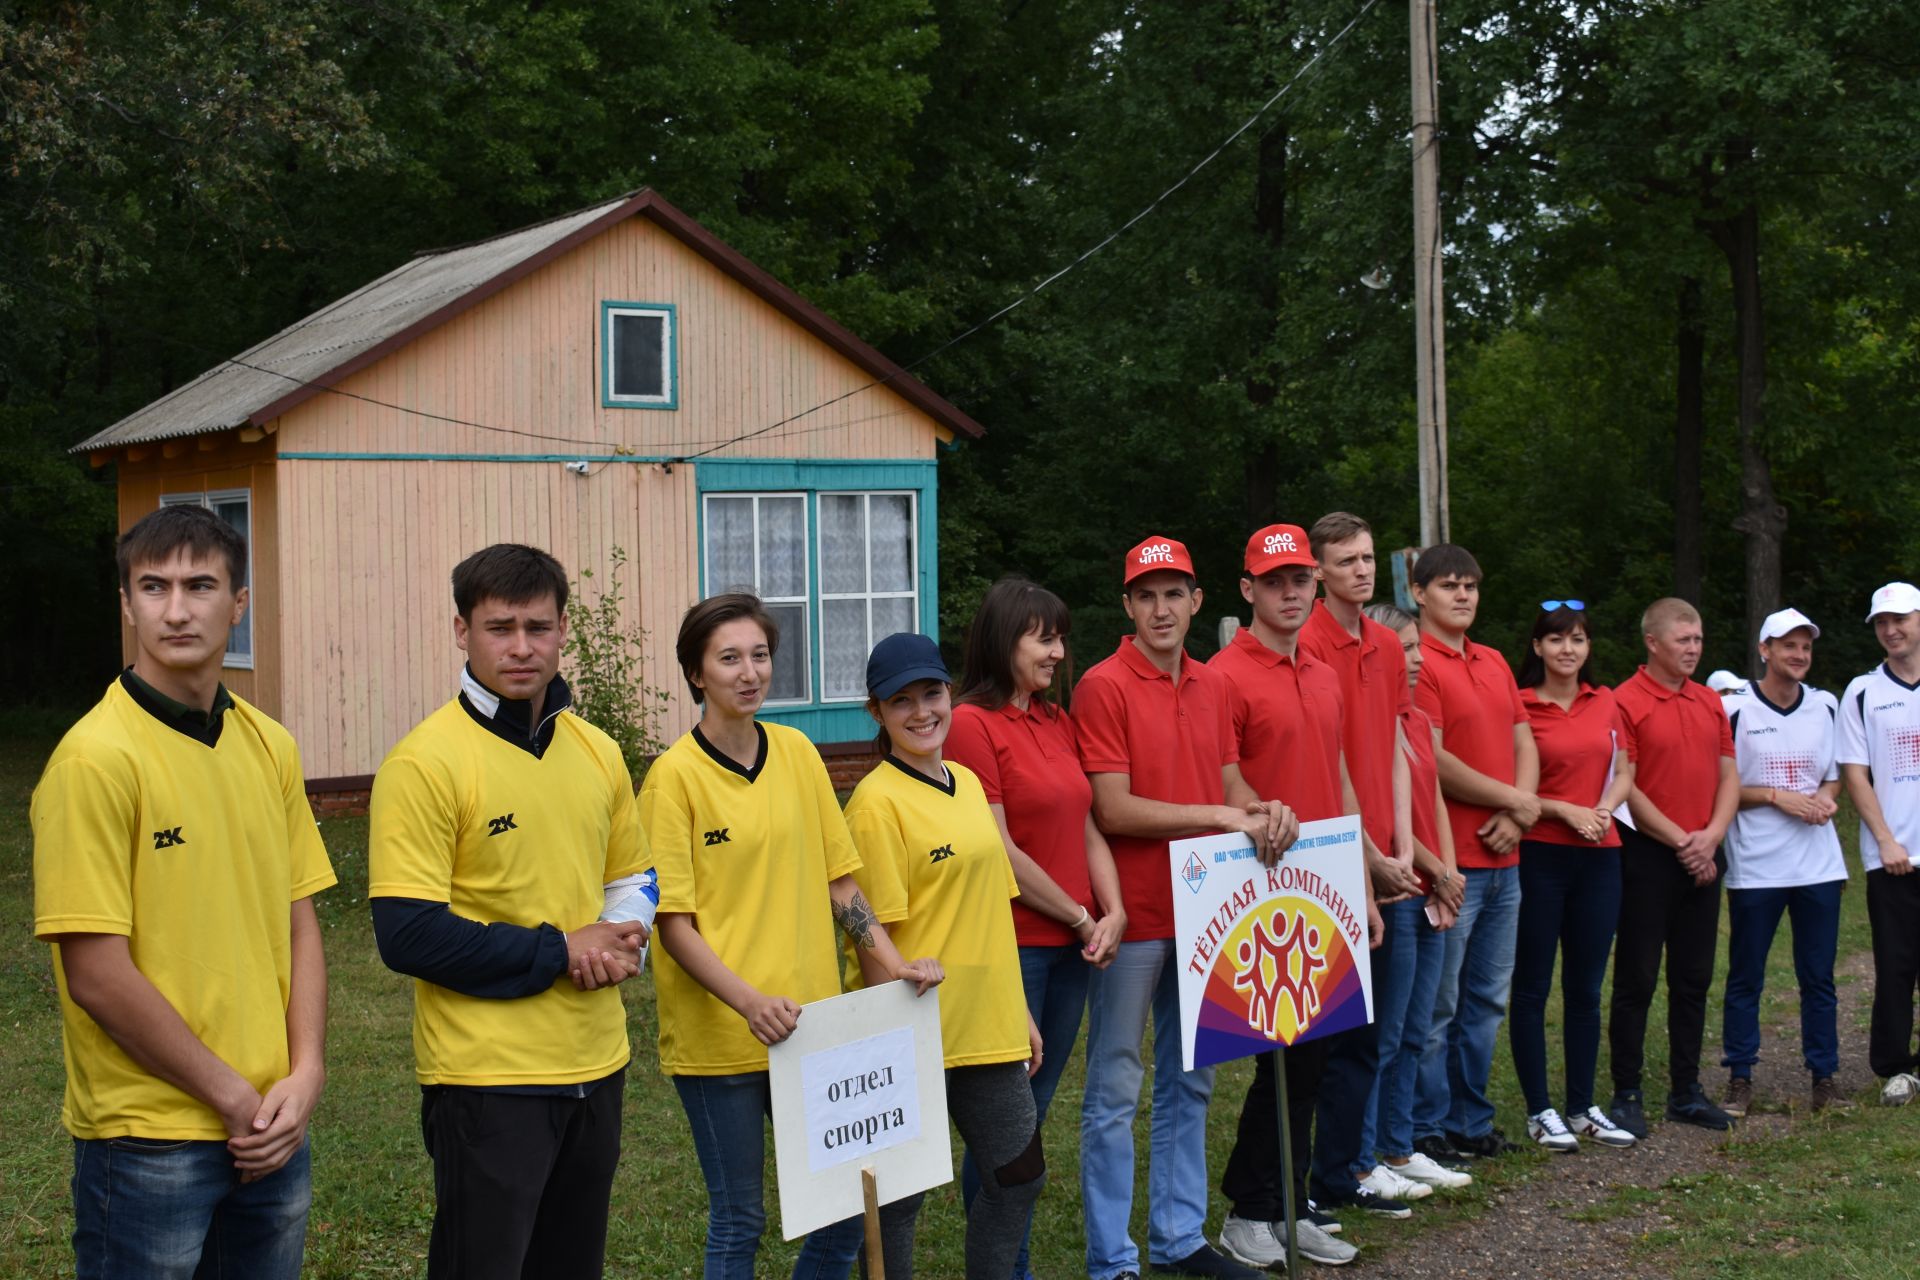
(1537, 1228)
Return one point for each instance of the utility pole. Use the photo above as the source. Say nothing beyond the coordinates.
(1430, 329)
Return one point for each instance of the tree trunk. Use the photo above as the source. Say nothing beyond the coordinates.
(1262, 465)
(1762, 520)
(1688, 417)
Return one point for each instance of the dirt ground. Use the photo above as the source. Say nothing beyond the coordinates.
(1526, 1230)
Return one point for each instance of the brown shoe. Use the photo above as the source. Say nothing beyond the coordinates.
(1827, 1094)
(1739, 1096)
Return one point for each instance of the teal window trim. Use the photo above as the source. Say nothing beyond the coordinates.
(610, 309)
(822, 720)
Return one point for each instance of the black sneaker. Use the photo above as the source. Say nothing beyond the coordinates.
(1208, 1261)
(1369, 1200)
(1693, 1106)
(1488, 1145)
(1325, 1221)
(1628, 1110)
(1436, 1148)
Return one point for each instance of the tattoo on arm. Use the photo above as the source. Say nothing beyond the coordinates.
(856, 919)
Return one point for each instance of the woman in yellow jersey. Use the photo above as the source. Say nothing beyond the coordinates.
(754, 864)
(934, 867)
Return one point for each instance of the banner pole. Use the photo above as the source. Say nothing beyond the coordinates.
(870, 1190)
(1293, 1210)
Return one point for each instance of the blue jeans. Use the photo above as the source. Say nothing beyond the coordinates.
(1569, 905)
(1475, 975)
(1755, 917)
(1403, 990)
(1055, 979)
(148, 1209)
(728, 1115)
(1144, 977)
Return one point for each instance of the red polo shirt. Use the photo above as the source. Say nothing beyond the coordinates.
(1173, 741)
(1028, 762)
(1576, 757)
(1675, 738)
(1286, 723)
(1424, 776)
(1373, 691)
(1471, 696)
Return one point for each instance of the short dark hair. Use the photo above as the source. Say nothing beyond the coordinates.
(1445, 560)
(510, 573)
(707, 617)
(1554, 622)
(1012, 607)
(158, 535)
(1335, 526)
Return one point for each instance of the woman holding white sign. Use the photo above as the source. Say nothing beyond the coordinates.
(934, 866)
(1068, 920)
(754, 863)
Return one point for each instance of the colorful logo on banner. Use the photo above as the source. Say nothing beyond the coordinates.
(1280, 955)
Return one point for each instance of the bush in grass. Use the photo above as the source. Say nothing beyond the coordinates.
(604, 659)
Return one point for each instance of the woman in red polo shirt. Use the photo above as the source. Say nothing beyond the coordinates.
(1021, 745)
(1569, 875)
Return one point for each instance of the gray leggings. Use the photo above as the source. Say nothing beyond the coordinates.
(992, 1107)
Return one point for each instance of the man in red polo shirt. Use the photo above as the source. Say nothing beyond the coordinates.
(1286, 710)
(1156, 740)
(1489, 770)
(1686, 790)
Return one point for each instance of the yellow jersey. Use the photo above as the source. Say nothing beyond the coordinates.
(195, 854)
(462, 816)
(936, 872)
(748, 853)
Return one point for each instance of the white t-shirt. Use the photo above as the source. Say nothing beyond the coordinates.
(1880, 728)
(1790, 749)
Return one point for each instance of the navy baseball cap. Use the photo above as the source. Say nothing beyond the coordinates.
(899, 660)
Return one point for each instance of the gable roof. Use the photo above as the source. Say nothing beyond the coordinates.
(306, 358)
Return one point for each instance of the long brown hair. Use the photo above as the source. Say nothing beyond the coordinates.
(1012, 607)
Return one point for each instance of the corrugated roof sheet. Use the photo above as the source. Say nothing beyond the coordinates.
(303, 359)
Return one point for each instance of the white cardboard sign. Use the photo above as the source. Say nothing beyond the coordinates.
(1269, 956)
(859, 1084)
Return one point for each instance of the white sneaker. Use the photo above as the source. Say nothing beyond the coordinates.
(1594, 1123)
(1425, 1169)
(1252, 1242)
(1550, 1131)
(1384, 1181)
(1316, 1245)
(1900, 1089)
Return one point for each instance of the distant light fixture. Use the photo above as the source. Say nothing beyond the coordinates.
(1377, 279)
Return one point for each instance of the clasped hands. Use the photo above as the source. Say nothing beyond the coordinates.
(1271, 826)
(1503, 830)
(605, 953)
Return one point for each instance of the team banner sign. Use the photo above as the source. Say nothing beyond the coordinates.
(1270, 956)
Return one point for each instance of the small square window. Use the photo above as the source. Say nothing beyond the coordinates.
(640, 365)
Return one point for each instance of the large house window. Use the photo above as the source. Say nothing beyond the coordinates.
(836, 570)
(235, 506)
(758, 542)
(637, 344)
(867, 577)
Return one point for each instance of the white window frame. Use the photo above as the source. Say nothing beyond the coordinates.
(868, 596)
(206, 499)
(804, 599)
(669, 364)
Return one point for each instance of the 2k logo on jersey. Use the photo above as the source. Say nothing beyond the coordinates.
(168, 838)
(501, 825)
(719, 836)
(941, 854)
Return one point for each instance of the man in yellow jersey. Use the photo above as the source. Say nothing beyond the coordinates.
(174, 859)
(497, 824)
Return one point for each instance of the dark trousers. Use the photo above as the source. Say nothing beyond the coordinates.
(1251, 1180)
(1754, 917)
(1893, 912)
(1340, 1115)
(1569, 905)
(521, 1182)
(1661, 911)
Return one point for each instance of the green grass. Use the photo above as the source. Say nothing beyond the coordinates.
(1836, 1197)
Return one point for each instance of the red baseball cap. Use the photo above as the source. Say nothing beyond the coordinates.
(1276, 545)
(1157, 553)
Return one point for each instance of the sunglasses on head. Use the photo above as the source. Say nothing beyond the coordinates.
(1548, 606)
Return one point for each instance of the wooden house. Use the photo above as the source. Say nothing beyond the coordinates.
(617, 376)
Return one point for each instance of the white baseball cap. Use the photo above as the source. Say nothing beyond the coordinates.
(1778, 624)
(1724, 681)
(1895, 597)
